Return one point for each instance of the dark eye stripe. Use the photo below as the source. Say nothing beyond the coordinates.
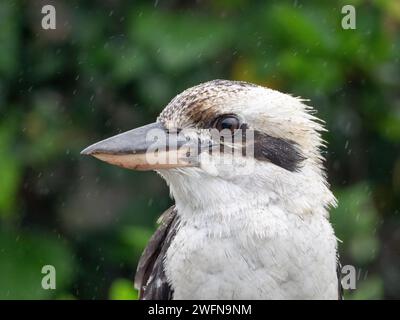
(281, 152)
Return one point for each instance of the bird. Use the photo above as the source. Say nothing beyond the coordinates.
(251, 226)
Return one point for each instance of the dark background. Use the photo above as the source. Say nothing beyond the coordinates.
(113, 65)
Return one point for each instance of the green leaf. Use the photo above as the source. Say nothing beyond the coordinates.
(136, 237)
(369, 289)
(9, 37)
(179, 41)
(355, 221)
(22, 256)
(10, 169)
(122, 289)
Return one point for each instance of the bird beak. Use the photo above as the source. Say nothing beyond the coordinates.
(146, 148)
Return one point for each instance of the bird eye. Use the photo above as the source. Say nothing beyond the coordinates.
(229, 122)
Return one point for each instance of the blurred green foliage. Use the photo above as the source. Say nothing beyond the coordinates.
(121, 289)
(113, 65)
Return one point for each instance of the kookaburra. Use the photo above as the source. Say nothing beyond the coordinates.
(253, 227)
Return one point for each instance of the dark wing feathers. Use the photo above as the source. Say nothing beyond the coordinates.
(150, 278)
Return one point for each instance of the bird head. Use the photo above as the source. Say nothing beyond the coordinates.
(222, 140)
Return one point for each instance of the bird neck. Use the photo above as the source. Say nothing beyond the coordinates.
(203, 199)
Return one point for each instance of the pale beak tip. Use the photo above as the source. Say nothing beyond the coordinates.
(87, 151)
